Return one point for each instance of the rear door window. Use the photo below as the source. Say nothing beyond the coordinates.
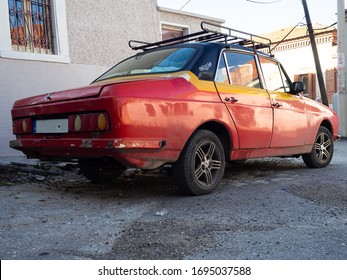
(274, 77)
(238, 69)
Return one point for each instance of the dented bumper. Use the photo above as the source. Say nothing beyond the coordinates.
(131, 152)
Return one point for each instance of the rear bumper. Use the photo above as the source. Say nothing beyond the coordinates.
(139, 153)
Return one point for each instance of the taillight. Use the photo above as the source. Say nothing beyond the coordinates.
(88, 122)
(22, 126)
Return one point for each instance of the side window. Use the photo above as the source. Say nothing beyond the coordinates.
(241, 69)
(222, 74)
(274, 77)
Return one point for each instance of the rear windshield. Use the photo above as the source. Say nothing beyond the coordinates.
(159, 61)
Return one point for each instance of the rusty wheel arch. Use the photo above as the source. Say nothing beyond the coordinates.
(327, 124)
(222, 133)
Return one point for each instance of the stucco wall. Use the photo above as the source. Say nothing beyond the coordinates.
(19, 79)
(187, 19)
(99, 35)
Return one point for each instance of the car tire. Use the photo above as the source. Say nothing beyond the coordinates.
(322, 150)
(101, 170)
(200, 167)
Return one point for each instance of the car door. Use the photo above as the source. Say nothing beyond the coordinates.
(238, 84)
(290, 117)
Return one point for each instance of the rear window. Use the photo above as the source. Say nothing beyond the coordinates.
(159, 61)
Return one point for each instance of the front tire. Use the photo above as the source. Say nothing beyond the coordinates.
(322, 150)
(200, 167)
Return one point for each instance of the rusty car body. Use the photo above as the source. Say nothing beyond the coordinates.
(194, 102)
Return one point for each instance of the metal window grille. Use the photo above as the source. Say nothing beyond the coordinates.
(30, 25)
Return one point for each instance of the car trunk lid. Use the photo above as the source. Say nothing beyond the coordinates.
(90, 91)
(78, 93)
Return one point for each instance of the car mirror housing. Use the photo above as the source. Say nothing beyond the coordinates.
(297, 87)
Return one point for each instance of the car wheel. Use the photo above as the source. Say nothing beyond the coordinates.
(322, 151)
(101, 170)
(201, 164)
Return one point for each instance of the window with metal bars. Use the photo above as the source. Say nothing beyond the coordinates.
(31, 26)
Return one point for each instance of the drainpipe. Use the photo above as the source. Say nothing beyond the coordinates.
(341, 68)
(315, 55)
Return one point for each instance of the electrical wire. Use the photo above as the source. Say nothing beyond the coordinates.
(268, 2)
(185, 5)
(300, 24)
(323, 28)
(252, 1)
(280, 42)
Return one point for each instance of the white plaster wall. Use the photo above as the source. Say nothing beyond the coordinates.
(19, 80)
(186, 19)
(100, 33)
(301, 61)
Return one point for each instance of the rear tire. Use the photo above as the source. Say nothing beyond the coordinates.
(101, 170)
(200, 167)
(322, 150)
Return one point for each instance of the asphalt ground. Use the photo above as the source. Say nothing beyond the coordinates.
(264, 209)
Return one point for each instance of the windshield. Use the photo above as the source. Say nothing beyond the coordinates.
(159, 61)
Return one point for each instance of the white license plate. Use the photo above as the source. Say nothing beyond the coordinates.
(51, 126)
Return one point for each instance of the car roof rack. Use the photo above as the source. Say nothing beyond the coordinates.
(210, 32)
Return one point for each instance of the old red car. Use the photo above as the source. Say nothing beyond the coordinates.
(194, 102)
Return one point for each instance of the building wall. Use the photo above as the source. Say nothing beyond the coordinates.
(19, 80)
(189, 20)
(300, 61)
(100, 34)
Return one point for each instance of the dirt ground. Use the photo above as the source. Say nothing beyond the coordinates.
(264, 209)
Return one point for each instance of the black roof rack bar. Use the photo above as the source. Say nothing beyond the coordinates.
(132, 43)
(256, 39)
(211, 37)
(210, 32)
(181, 39)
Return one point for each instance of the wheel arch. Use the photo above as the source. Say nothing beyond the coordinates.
(222, 133)
(327, 124)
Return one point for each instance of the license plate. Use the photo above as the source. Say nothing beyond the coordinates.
(51, 126)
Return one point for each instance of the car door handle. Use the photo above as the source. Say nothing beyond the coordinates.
(231, 99)
(276, 105)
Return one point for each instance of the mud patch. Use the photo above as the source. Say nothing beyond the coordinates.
(329, 194)
(171, 239)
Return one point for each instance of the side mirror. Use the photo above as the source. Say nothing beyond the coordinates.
(297, 87)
